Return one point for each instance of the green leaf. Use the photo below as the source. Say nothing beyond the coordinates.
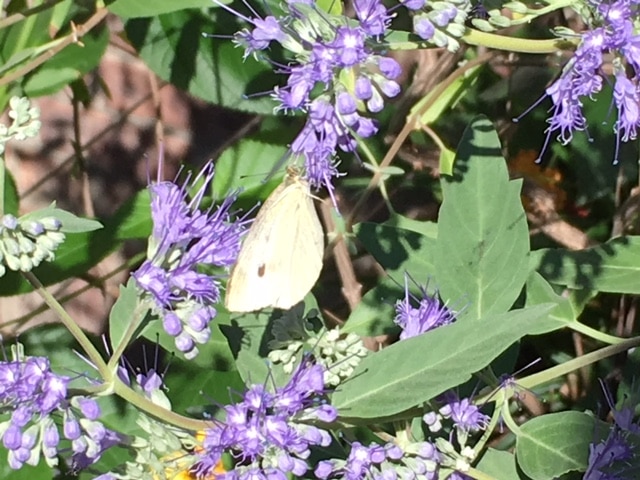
(446, 160)
(447, 99)
(176, 48)
(482, 252)
(81, 251)
(191, 386)
(499, 465)
(11, 198)
(331, 6)
(123, 312)
(71, 63)
(375, 313)
(554, 444)
(27, 472)
(399, 246)
(417, 369)
(247, 335)
(246, 166)
(540, 292)
(144, 8)
(70, 223)
(612, 267)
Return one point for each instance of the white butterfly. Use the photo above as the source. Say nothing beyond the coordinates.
(281, 257)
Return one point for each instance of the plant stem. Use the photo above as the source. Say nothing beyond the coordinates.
(579, 362)
(143, 403)
(72, 326)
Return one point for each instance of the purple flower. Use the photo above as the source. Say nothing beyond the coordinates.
(625, 94)
(465, 415)
(184, 238)
(358, 465)
(610, 459)
(611, 33)
(263, 432)
(413, 4)
(423, 27)
(35, 394)
(429, 314)
(373, 16)
(608, 456)
(328, 52)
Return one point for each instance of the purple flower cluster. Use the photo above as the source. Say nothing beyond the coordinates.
(344, 61)
(429, 314)
(465, 416)
(265, 433)
(440, 23)
(183, 238)
(33, 394)
(583, 77)
(616, 457)
(378, 462)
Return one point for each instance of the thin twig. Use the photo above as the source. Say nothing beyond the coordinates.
(80, 162)
(73, 37)
(351, 288)
(409, 126)
(17, 17)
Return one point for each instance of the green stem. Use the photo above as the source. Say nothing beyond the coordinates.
(552, 7)
(508, 420)
(70, 296)
(513, 44)
(364, 147)
(542, 377)
(595, 334)
(478, 475)
(495, 418)
(498, 42)
(138, 317)
(146, 405)
(72, 326)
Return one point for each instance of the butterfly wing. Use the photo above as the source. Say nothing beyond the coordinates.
(301, 255)
(281, 257)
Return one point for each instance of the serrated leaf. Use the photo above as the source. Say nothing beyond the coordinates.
(417, 369)
(482, 251)
(612, 267)
(176, 48)
(247, 336)
(554, 444)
